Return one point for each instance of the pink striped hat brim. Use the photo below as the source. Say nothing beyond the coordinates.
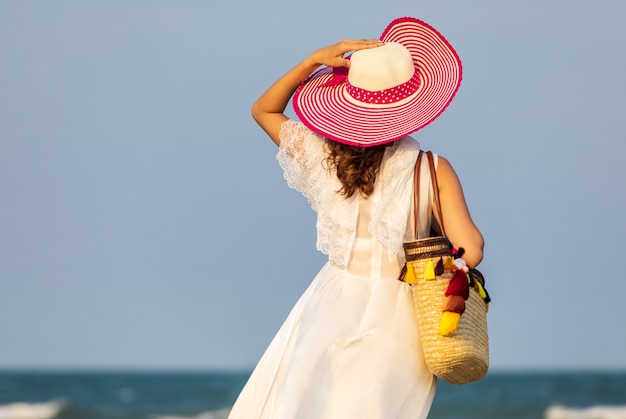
(330, 112)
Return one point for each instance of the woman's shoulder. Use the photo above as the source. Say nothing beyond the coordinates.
(445, 171)
(444, 168)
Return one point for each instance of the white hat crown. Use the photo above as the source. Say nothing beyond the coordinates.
(381, 68)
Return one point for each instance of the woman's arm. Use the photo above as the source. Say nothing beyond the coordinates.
(268, 109)
(458, 223)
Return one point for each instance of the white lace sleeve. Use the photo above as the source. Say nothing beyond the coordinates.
(300, 156)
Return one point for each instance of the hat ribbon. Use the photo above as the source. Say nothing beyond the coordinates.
(385, 96)
(340, 75)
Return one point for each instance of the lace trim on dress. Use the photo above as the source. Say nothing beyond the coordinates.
(301, 156)
(395, 186)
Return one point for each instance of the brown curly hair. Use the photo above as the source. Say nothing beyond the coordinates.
(356, 167)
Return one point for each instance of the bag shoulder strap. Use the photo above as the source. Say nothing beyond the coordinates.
(433, 179)
(416, 191)
(416, 187)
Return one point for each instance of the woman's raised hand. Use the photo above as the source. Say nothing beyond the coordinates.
(332, 55)
(269, 107)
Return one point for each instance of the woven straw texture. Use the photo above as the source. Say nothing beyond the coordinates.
(464, 356)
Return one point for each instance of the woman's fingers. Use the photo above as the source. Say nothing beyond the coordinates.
(348, 45)
(332, 55)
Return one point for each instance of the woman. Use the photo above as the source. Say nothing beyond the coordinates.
(350, 348)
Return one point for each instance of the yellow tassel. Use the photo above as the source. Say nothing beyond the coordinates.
(449, 323)
(409, 278)
(429, 271)
(481, 290)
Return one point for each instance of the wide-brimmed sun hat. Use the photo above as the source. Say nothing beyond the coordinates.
(388, 93)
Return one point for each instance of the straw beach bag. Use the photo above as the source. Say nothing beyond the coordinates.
(455, 345)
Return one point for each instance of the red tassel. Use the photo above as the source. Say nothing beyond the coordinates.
(458, 285)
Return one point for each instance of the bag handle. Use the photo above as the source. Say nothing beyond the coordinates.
(433, 179)
(416, 187)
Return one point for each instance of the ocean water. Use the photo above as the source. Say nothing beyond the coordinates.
(208, 395)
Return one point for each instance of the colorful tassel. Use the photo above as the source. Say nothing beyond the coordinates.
(481, 290)
(402, 273)
(409, 277)
(458, 290)
(454, 304)
(439, 268)
(449, 323)
(460, 253)
(461, 265)
(458, 285)
(487, 298)
(455, 253)
(480, 285)
(429, 271)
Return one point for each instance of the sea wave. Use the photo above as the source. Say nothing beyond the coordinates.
(21, 410)
(594, 412)
(212, 414)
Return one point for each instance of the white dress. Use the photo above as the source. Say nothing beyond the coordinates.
(349, 349)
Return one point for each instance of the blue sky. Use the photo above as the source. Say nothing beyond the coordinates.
(144, 221)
